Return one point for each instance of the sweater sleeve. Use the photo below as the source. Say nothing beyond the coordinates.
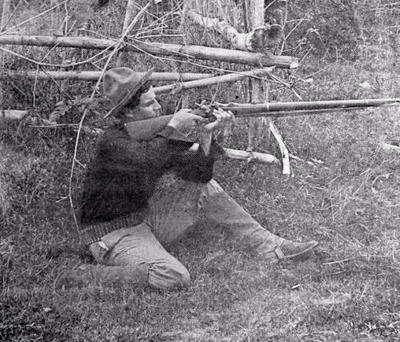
(193, 166)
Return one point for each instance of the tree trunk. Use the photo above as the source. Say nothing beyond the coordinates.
(131, 11)
(258, 95)
(5, 14)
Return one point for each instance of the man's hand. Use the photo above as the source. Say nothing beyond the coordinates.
(222, 119)
(185, 119)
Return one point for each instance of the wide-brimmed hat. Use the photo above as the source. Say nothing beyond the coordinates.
(121, 84)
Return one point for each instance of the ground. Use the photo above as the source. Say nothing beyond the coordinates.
(347, 198)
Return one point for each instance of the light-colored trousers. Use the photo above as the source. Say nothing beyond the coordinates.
(136, 254)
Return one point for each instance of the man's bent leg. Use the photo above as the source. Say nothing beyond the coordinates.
(221, 209)
(129, 256)
(141, 249)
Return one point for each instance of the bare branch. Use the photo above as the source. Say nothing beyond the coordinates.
(282, 148)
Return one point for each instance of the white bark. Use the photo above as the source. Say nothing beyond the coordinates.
(131, 11)
(5, 14)
(13, 114)
(251, 156)
(252, 41)
(256, 127)
(282, 147)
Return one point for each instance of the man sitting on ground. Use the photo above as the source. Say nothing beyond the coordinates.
(143, 193)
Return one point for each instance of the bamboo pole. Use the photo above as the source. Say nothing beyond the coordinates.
(158, 49)
(94, 75)
(212, 81)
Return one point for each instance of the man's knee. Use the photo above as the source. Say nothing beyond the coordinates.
(168, 275)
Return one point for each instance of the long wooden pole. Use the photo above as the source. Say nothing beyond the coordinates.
(94, 75)
(212, 81)
(157, 49)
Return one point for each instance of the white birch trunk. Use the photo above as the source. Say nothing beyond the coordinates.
(257, 126)
(5, 14)
(131, 11)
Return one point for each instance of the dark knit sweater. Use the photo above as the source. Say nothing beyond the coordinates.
(123, 174)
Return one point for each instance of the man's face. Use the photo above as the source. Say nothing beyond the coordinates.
(147, 108)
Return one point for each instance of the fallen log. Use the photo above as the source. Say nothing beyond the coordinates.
(158, 49)
(12, 114)
(216, 54)
(264, 158)
(252, 41)
(212, 81)
(94, 75)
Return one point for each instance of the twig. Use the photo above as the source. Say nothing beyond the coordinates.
(287, 85)
(35, 17)
(89, 60)
(282, 148)
(311, 162)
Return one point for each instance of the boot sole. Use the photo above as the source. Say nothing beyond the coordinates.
(303, 255)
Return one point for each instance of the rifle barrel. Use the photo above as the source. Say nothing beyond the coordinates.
(275, 108)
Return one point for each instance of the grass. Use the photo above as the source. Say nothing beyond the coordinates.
(348, 291)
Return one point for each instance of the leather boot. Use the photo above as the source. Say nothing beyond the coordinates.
(295, 251)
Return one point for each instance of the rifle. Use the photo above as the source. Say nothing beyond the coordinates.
(147, 129)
